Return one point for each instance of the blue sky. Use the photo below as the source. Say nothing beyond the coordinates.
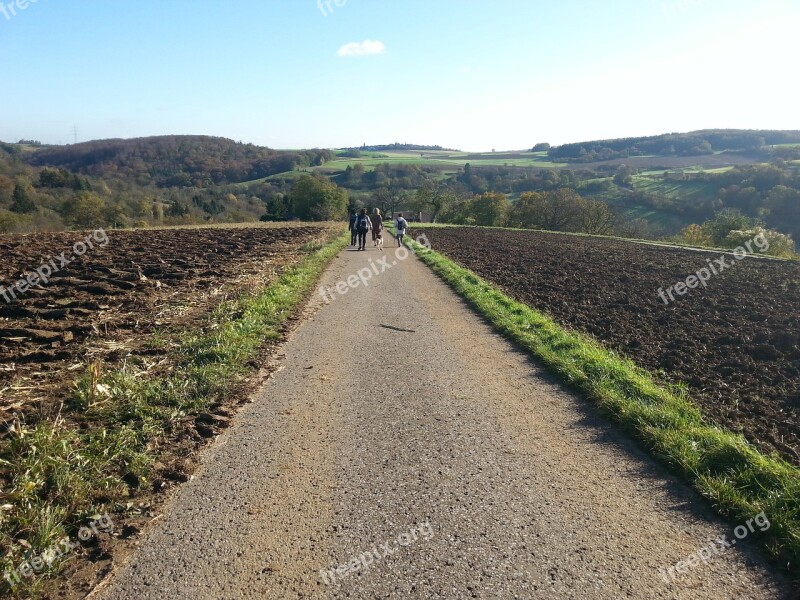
(474, 75)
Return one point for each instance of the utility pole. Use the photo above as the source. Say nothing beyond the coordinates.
(75, 134)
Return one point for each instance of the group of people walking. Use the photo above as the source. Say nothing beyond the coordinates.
(362, 223)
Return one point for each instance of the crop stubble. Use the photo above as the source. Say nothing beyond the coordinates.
(110, 303)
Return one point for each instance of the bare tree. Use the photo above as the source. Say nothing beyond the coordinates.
(597, 217)
(562, 210)
(434, 198)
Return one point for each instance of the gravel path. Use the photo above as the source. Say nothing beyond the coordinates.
(404, 431)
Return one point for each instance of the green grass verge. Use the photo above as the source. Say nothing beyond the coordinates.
(738, 480)
(62, 474)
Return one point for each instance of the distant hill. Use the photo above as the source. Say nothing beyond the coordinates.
(695, 143)
(165, 180)
(396, 147)
(175, 161)
(171, 180)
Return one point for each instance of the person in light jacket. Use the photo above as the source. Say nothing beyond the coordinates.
(402, 225)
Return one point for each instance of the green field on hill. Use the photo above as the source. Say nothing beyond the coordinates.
(439, 158)
(687, 191)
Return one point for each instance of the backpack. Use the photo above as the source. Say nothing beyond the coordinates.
(363, 222)
(402, 224)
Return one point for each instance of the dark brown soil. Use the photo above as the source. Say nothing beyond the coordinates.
(120, 299)
(133, 298)
(735, 344)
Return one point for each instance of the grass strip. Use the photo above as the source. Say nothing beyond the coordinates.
(739, 481)
(62, 475)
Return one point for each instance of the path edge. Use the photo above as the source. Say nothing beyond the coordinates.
(739, 481)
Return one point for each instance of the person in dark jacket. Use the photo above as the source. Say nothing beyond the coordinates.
(352, 228)
(363, 226)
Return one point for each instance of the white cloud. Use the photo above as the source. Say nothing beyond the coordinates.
(365, 48)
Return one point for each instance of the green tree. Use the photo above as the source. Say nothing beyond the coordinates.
(21, 201)
(9, 221)
(116, 216)
(316, 198)
(85, 211)
(624, 176)
(276, 208)
(490, 209)
(142, 208)
(559, 210)
(354, 174)
(80, 184)
(6, 189)
(54, 178)
(179, 208)
(724, 222)
(783, 204)
(746, 199)
(525, 213)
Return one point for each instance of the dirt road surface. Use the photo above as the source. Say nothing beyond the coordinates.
(407, 444)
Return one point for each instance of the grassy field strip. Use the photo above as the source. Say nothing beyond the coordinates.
(738, 480)
(686, 192)
(61, 474)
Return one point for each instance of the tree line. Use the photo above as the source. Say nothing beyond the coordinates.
(177, 161)
(132, 190)
(766, 192)
(561, 209)
(696, 143)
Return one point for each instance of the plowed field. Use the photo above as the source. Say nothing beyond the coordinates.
(116, 299)
(736, 343)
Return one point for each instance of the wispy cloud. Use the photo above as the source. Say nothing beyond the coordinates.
(365, 48)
